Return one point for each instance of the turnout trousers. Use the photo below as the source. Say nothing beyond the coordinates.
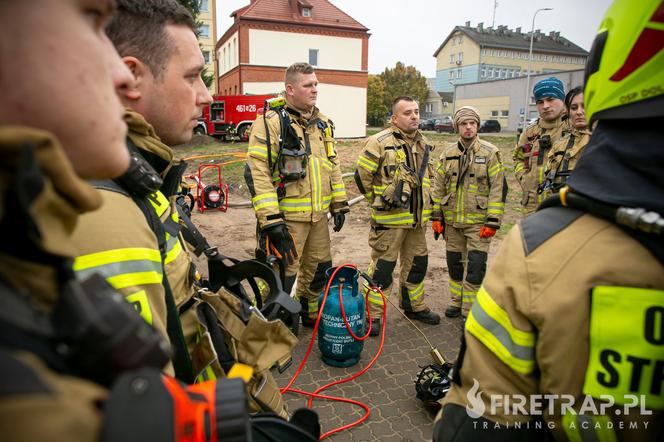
(466, 256)
(312, 241)
(410, 247)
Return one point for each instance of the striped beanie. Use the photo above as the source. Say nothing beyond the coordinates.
(549, 87)
(465, 113)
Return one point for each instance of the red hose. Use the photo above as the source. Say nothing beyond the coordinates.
(316, 394)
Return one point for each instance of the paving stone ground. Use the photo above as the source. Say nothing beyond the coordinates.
(388, 388)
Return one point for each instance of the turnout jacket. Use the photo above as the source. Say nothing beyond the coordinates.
(376, 170)
(36, 402)
(562, 158)
(308, 199)
(469, 185)
(530, 159)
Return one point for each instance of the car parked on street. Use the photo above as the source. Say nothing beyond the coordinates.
(428, 124)
(444, 125)
(489, 126)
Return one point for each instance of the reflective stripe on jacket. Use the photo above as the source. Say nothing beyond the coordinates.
(309, 198)
(375, 171)
(470, 186)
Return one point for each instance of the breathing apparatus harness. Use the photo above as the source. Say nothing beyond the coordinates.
(291, 162)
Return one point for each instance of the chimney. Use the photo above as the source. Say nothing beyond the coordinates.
(480, 26)
(468, 24)
(518, 30)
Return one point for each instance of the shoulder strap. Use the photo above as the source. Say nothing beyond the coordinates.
(544, 224)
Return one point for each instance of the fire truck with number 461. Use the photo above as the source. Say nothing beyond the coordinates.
(230, 116)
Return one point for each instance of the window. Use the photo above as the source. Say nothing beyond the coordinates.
(203, 6)
(460, 39)
(460, 56)
(490, 72)
(206, 56)
(313, 57)
(428, 108)
(451, 58)
(450, 75)
(459, 73)
(505, 113)
(306, 12)
(483, 71)
(204, 31)
(494, 113)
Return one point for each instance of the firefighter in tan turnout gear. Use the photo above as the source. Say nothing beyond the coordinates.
(564, 154)
(295, 184)
(536, 140)
(567, 334)
(394, 173)
(469, 194)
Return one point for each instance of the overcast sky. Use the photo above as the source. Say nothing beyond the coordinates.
(411, 30)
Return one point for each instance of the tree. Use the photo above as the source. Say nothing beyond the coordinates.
(376, 108)
(404, 80)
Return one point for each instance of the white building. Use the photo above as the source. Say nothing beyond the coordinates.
(270, 35)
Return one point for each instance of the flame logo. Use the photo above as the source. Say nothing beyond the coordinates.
(476, 408)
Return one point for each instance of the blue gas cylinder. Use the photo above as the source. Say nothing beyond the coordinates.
(337, 346)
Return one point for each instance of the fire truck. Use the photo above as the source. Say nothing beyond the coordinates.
(230, 116)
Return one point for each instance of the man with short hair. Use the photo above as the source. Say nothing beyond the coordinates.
(393, 172)
(536, 140)
(469, 193)
(294, 177)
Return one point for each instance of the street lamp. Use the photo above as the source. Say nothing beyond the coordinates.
(530, 57)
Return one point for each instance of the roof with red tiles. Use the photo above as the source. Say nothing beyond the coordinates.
(323, 13)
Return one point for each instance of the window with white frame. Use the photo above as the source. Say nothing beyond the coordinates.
(450, 75)
(203, 6)
(483, 72)
(504, 113)
(494, 113)
(306, 12)
(206, 56)
(460, 56)
(451, 58)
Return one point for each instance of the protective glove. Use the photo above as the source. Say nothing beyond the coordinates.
(339, 219)
(487, 232)
(281, 242)
(438, 228)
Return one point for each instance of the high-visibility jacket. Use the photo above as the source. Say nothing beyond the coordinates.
(117, 241)
(571, 311)
(530, 159)
(309, 198)
(375, 171)
(562, 159)
(470, 185)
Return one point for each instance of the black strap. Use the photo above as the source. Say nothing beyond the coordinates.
(544, 224)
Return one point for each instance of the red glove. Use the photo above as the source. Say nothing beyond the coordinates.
(487, 232)
(438, 228)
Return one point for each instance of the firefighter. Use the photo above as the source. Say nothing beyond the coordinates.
(469, 194)
(394, 173)
(136, 240)
(568, 323)
(536, 140)
(565, 153)
(42, 197)
(294, 177)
